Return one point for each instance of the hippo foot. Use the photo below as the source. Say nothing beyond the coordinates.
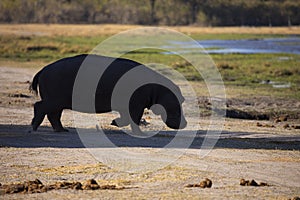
(114, 123)
(33, 129)
(61, 130)
(119, 122)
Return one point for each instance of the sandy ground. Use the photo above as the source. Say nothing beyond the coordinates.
(244, 150)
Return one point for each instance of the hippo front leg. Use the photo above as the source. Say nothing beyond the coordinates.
(136, 116)
(121, 121)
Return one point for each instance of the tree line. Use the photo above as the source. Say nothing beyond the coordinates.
(153, 12)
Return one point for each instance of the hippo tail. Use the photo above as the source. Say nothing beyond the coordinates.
(34, 83)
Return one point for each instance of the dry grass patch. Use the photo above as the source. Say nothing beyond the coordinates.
(109, 29)
(85, 169)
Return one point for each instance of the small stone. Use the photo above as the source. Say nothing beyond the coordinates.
(37, 181)
(263, 184)
(192, 185)
(243, 182)
(91, 181)
(14, 188)
(208, 183)
(296, 126)
(259, 124)
(108, 187)
(286, 126)
(94, 186)
(296, 198)
(203, 184)
(44, 189)
(91, 185)
(283, 118)
(253, 183)
(51, 187)
(2, 191)
(77, 186)
(59, 185)
(277, 120)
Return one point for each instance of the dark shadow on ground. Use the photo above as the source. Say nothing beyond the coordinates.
(19, 136)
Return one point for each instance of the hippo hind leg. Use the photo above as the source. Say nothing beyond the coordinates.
(54, 118)
(43, 108)
(39, 115)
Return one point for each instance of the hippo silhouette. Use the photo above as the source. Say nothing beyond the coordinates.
(56, 84)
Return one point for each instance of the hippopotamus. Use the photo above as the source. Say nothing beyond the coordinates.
(56, 87)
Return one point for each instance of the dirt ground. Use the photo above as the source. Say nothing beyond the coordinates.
(261, 150)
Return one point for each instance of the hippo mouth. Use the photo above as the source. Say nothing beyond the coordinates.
(176, 123)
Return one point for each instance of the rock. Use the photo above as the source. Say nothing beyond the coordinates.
(37, 186)
(91, 181)
(243, 182)
(296, 126)
(91, 185)
(59, 185)
(286, 126)
(265, 125)
(2, 191)
(263, 184)
(253, 183)
(44, 189)
(37, 181)
(192, 185)
(94, 186)
(259, 124)
(77, 186)
(67, 185)
(51, 187)
(283, 118)
(203, 184)
(108, 187)
(277, 120)
(208, 183)
(14, 188)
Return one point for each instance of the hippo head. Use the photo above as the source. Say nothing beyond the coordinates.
(169, 106)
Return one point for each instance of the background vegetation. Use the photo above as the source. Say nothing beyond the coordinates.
(154, 12)
(37, 45)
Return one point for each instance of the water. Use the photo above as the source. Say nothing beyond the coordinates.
(290, 45)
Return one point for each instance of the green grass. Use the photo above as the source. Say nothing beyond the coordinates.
(254, 68)
(227, 36)
(240, 72)
(23, 48)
